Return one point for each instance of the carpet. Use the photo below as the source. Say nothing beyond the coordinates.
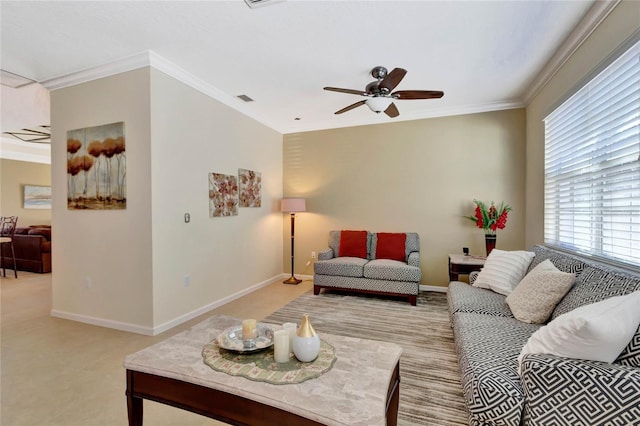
(430, 389)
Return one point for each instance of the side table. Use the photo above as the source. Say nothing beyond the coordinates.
(461, 264)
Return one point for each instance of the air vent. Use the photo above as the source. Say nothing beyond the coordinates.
(259, 3)
(245, 98)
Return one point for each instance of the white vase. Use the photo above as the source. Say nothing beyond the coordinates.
(306, 343)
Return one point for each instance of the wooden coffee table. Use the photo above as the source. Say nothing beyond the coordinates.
(362, 388)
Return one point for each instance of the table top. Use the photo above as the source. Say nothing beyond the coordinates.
(467, 260)
(353, 392)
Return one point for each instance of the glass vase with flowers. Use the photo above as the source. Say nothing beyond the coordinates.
(490, 218)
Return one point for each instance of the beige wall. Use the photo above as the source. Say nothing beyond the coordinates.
(193, 135)
(418, 176)
(614, 30)
(14, 175)
(137, 258)
(111, 248)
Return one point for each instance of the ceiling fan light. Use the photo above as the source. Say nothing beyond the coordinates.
(378, 104)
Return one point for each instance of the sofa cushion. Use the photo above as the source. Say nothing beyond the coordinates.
(563, 261)
(353, 244)
(387, 269)
(595, 284)
(535, 297)
(340, 266)
(596, 332)
(488, 348)
(630, 356)
(464, 298)
(45, 232)
(503, 270)
(391, 246)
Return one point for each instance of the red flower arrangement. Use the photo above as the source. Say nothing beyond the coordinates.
(490, 219)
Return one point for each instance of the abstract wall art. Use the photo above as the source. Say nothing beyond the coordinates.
(223, 195)
(250, 188)
(97, 168)
(37, 197)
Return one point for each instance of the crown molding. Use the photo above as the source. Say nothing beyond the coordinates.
(11, 149)
(422, 115)
(594, 17)
(128, 63)
(182, 75)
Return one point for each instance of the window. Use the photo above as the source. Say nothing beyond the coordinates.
(592, 166)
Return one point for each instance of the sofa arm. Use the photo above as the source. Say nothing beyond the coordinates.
(414, 259)
(325, 254)
(579, 392)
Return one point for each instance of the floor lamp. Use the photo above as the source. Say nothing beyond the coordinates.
(292, 205)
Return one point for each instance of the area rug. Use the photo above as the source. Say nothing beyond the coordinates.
(430, 389)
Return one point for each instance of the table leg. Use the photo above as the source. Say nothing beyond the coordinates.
(134, 404)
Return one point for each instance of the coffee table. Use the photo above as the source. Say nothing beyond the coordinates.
(362, 388)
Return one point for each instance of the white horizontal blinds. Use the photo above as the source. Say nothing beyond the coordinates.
(592, 165)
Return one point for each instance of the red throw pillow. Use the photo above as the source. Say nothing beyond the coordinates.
(391, 246)
(353, 244)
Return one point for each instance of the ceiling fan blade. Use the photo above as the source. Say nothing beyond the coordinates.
(392, 111)
(350, 107)
(350, 91)
(417, 94)
(393, 79)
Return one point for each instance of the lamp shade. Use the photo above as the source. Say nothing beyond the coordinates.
(292, 205)
(378, 104)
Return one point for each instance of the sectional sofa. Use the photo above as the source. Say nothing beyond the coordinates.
(369, 262)
(504, 385)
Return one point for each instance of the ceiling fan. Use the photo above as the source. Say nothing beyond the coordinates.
(380, 98)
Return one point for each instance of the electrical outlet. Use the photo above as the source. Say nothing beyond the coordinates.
(187, 280)
(87, 282)
(313, 254)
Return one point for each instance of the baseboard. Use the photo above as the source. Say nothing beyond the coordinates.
(433, 288)
(102, 322)
(152, 331)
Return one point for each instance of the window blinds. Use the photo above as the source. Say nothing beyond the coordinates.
(592, 166)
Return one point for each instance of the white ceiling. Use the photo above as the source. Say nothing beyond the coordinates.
(483, 55)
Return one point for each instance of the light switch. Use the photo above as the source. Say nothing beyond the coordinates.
(187, 218)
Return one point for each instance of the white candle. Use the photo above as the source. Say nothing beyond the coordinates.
(291, 327)
(281, 346)
(249, 329)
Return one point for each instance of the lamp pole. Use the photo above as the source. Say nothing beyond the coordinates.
(292, 205)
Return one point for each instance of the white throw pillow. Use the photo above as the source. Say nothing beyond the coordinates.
(598, 332)
(536, 296)
(503, 270)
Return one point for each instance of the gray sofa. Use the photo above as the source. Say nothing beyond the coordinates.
(370, 275)
(550, 390)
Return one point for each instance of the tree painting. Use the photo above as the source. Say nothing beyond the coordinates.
(96, 168)
(250, 188)
(223, 195)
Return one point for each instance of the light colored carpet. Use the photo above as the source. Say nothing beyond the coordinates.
(430, 389)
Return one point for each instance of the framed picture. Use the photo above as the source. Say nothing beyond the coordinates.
(223, 195)
(250, 188)
(37, 197)
(97, 168)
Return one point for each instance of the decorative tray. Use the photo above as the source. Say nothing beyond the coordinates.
(231, 339)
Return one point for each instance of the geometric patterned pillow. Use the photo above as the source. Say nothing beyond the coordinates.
(594, 285)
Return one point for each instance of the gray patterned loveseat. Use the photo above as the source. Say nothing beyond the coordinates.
(548, 389)
(366, 262)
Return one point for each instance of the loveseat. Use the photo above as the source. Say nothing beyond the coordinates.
(32, 247)
(367, 262)
(505, 385)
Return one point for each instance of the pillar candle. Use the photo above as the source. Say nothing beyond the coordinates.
(291, 327)
(281, 346)
(249, 329)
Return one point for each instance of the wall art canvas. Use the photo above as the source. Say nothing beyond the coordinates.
(223, 195)
(250, 188)
(97, 168)
(37, 197)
